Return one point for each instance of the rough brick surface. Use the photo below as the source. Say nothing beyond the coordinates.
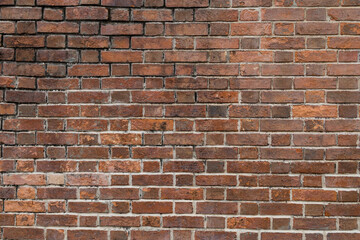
(179, 119)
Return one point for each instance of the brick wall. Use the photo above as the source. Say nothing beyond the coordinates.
(180, 119)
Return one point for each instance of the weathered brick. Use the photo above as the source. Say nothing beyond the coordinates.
(187, 3)
(315, 111)
(183, 222)
(254, 29)
(88, 42)
(283, 14)
(28, 13)
(183, 119)
(121, 29)
(122, 3)
(86, 13)
(248, 223)
(186, 29)
(88, 70)
(23, 233)
(57, 27)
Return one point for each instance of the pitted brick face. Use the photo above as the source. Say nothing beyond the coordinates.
(179, 119)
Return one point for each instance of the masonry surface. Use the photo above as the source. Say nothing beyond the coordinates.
(179, 119)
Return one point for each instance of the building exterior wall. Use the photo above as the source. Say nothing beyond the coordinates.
(180, 119)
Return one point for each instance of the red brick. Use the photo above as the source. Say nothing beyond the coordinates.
(251, 56)
(122, 3)
(186, 29)
(183, 222)
(303, 167)
(57, 139)
(121, 111)
(279, 181)
(23, 124)
(24, 41)
(217, 70)
(21, 69)
(343, 42)
(283, 43)
(338, 236)
(54, 83)
(28, 13)
(182, 193)
(248, 223)
(56, 193)
(153, 69)
(314, 195)
(342, 210)
(57, 220)
(187, 3)
(121, 29)
(315, 56)
(87, 179)
(345, 182)
(121, 56)
(281, 125)
(248, 167)
(186, 56)
(283, 70)
(149, 152)
(281, 236)
(7, 27)
(315, 83)
(120, 221)
(213, 153)
(153, 97)
(150, 234)
(217, 43)
(315, 224)
(86, 13)
(344, 14)
(316, 28)
(151, 43)
(85, 234)
(58, 3)
(152, 15)
(119, 166)
(183, 166)
(61, 27)
(58, 111)
(217, 208)
(89, 152)
(282, 97)
(152, 207)
(158, 180)
(23, 233)
(283, 14)
(214, 180)
(152, 125)
(315, 111)
(88, 42)
(323, 3)
(185, 111)
(89, 70)
(202, 235)
(88, 207)
(222, 15)
(255, 29)
(119, 193)
(23, 152)
(24, 206)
